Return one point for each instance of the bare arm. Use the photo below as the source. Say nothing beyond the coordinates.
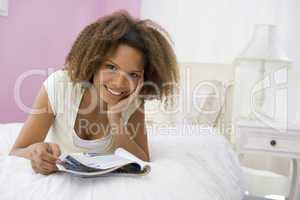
(134, 137)
(36, 126)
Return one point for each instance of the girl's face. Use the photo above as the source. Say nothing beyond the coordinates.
(120, 74)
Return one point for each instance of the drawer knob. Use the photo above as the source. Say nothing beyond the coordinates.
(273, 142)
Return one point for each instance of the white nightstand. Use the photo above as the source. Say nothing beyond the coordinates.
(257, 137)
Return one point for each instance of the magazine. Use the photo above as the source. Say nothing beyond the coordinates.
(94, 164)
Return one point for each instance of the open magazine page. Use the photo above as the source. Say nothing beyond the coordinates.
(91, 164)
(125, 154)
(144, 167)
(75, 171)
(102, 161)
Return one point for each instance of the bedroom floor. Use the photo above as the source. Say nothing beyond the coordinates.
(255, 198)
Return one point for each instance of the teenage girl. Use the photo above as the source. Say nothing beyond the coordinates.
(95, 103)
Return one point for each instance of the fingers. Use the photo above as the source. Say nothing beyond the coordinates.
(43, 170)
(44, 158)
(124, 103)
(43, 167)
(48, 167)
(48, 158)
(137, 90)
(55, 149)
(135, 94)
(140, 85)
(44, 152)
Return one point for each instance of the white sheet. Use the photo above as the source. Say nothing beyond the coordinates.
(186, 164)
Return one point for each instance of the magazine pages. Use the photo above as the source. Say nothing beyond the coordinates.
(94, 164)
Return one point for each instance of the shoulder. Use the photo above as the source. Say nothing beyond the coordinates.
(58, 76)
(59, 89)
(57, 80)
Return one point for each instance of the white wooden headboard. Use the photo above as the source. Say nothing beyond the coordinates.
(220, 72)
(193, 73)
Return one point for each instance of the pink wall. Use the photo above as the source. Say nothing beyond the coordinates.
(38, 35)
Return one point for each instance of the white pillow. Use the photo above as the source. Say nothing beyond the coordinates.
(8, 134)
(200, 104)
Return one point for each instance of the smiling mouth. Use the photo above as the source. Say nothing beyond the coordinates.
(112, 92)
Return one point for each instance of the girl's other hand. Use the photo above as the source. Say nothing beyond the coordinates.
(114, 111)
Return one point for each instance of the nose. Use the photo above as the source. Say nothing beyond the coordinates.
(120, 82)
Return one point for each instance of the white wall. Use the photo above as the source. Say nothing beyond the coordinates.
(291, 44)
(215, 31)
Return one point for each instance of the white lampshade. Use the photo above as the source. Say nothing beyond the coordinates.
(259, 71)
(264, 44)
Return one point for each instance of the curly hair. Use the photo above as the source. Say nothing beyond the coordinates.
(101, 38)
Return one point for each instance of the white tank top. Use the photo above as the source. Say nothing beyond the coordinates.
(65, 98)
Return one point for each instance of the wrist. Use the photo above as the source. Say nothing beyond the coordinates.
(121, 140)
(30, 150)
(116, 127)
(115, 119)
(25, 152)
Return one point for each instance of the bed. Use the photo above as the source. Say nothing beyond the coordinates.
(189, 160)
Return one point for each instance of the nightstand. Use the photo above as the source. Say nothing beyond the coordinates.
(253, 136)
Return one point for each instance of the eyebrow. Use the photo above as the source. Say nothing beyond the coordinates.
(120, 67)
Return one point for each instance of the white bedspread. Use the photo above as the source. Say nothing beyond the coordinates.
(186, 164)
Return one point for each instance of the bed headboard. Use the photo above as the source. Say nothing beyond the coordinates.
(193, 73)
(220, 72)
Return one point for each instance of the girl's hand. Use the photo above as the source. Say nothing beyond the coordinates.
(43, 157)
(114, 112)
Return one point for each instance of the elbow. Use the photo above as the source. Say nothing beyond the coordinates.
(144, 157)
(147, 158)
(11, 152)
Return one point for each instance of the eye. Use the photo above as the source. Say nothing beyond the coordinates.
(111, 67)
(134, 75)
